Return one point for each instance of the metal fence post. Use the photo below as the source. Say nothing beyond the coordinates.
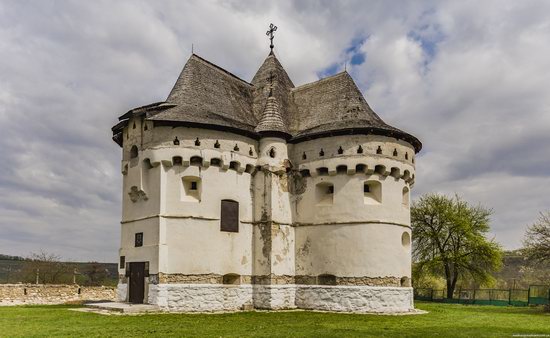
(529, 295)
(509, 296)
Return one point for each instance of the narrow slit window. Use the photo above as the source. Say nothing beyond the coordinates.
(138, 239)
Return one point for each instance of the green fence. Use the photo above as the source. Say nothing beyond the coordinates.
(535, 295)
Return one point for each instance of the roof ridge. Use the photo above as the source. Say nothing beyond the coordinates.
(310, 84)
(220, 69)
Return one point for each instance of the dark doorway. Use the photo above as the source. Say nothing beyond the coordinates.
(137, 282)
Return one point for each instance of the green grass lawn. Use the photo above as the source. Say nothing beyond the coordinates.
(443, 320)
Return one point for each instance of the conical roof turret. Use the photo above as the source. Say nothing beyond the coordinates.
(272, 87)
(271, 120)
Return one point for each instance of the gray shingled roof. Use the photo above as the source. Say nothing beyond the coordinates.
(206, 94)
(271, 119)
(211, 97)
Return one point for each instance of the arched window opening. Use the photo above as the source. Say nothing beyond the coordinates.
(231, 279)
(406, 197)
(380, 169)
(229, 218)
(197, 142)
(395, 172)
(251, 152)
(360, 168)
(234, 165)
(191, 189)
(340, 151)
(217, 144)
(134, 151)
(394, 151)
(379, 150)
(322, 152)
(324, 193)
(215, 162)
(406, 175)
(372, 191)
(176, 141)
(272, 153)
(195, 160)
(177, 160)
(305, 173)
(406, 239)
(326, 279)
(323, 171)
(405, 281)
(406, 156)
(360, 150)
(134, 126)
(236, 147)
(145, 127)
(304, 156)
(342, 169)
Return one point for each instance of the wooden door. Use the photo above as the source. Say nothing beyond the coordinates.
(137, 282)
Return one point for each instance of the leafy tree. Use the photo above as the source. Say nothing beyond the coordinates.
(449, 240)
(537, 239)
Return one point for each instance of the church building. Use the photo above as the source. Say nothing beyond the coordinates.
(245, 195)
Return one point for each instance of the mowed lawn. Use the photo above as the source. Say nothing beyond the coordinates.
(443, 320)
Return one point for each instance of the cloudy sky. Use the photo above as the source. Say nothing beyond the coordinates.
(469, 78)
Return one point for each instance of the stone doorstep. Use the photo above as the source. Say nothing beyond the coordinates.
(124, 307)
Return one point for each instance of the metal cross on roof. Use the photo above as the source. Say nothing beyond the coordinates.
(272, 29)
(271, 77)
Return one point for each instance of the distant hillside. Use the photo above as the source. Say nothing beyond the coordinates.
(14, 269)
(517, 271)
(11, 258)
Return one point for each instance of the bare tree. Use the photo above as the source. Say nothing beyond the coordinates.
(46, 268)
(537, 239)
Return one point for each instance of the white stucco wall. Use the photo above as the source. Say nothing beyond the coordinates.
(283, 230)
(353, 250)
(199, 247)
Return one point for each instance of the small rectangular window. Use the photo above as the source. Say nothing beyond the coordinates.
(122, 263)
(193, 185)
(330, 189)
(229, 220)
(366, 188)
(177, 160)
(138, 239)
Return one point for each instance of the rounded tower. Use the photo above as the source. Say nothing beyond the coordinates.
(260, 194)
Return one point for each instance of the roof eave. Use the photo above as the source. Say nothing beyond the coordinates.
(417, 145)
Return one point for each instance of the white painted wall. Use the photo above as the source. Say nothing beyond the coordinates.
(352, 237)
(352, 250)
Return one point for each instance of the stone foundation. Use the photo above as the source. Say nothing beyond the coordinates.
(122, 292)
(176, 278)
(18, 294)
(274, 297)
(201, 297)
(215, 297)
(362, 299)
